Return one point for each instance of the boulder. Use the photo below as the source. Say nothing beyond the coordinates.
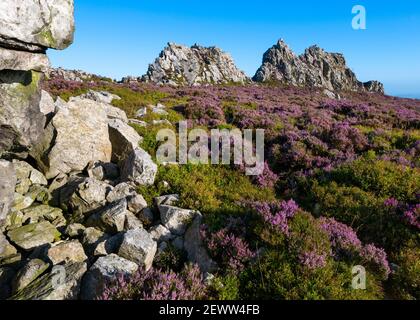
(34, 235)
(28, 273)
(6, 249)
(100, 96)
(7, 188)
(139, 168)
(110, 219)
(103, 171)
(32, 25)
(138, 246)
(167, 200)
(74, 230)
(181, 65)
(66, 251)
(62, 283)
(21, 121)
(195, 248)
(135, 202)
(132, 222)
(176, 220)
(103, 271)
(77, 135)
(109, 246)
(124, 139)
(40, 212)
(21, 60)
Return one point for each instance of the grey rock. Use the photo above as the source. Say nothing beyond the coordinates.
(176, 219)
(65, 252)
(141, 112)
(40, 212)
(74, 230)
(62, 283)
(137, 122)
(7, 188)
(146, 216)
(21, 60)
(139, 168)
(28, 273)
(47, 23)
(21, 121)
(196, 251)
(34, 235)
(103, 271)
(101, 96)
(167, 200)
(46, 104)
(135, 201)
(91, 238)
(139, 247)
(132, 222)
(160, 233)
(103, 171)
(180, 65)
(124, 140)
(109, 246)
(314, 68)
(111, 218)
(6, 249)
(77, 135)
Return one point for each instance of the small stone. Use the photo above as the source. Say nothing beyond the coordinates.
(139, 168)
(91, 238)
(74, 230)
(138, 246)
(66, 252)
(110, 245)
(110, 219)
(167, 200)
(141, 112)
(131, 222)
(146, 216)
(159, 233)
(176, 219)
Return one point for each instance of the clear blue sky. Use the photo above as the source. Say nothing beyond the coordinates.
(121, 37)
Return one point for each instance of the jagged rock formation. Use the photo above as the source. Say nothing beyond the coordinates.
(73, 75)
(314, 68)
(180, 65)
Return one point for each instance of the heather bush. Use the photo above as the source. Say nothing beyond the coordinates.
(156, 284)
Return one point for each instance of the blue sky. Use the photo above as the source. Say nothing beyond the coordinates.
(121, 37)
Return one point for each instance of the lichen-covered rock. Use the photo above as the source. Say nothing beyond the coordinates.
(74, 230)
(176, 220)
(104, 270)
(66, 251)
(34, 235)
(180, 65)
(77, 135)
(138, 246)
(314, 68)
(6, 249)
(110, 219)
(139, 168)
(21, 121)
(132, 222)
(21, 60)
(25, 23)
(40, 212)
(62, 283)
(91, 238)
(7, 188)
(195, 248)
(124, 140)
(28, 273)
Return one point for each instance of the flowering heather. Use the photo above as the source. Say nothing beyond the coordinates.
(228, 249)
(412, 216)
(342, 237)
(313, 260)
(158, 285)
(378, 257)
(277, 214)
(391, 202)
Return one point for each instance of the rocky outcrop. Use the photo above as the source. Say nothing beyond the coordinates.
(27, 29)
(314, 68)
(181, 65)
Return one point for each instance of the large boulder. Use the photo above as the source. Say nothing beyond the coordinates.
(7, 188)
(103, 271)
(34, 235)
(124, 139)
(77, 135)
(139, 168)
(32, 25)
(138, 246)
(62, 283)
(21, 121)
(314, 68)
(181, 65)
(66, 251)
